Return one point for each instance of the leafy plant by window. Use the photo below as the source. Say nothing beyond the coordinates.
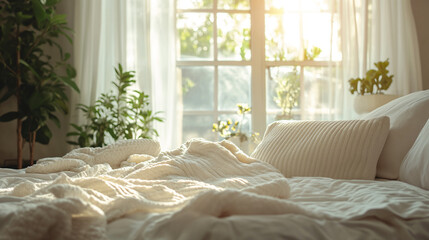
(288, 92)
(123, 114)
(288, 88)
(314, 53)
(227, 129)
(187, 85)
(375, 79)
(29, 72)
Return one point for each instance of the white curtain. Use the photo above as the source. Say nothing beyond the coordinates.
(374, 30)
(139, 34)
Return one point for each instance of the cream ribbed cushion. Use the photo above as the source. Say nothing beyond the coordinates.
(335, 149)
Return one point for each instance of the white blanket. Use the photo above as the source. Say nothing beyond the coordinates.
(76, 202)
(202, 190)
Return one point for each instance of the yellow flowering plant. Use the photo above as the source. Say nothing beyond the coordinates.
(228, 128)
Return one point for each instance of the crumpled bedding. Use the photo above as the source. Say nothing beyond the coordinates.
(202, 190)
(339, 209)
(82, 198)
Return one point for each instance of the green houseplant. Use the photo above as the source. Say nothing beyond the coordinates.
(30, 72)
(370, 89)
(288, 86)
(122, 114)
(287, 93)
(375, 79)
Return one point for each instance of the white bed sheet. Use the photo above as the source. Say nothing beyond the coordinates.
(343, 209)
(202, 190)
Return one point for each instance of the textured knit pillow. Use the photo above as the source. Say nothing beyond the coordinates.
(415, 167)
(408, 114)
(335, 149)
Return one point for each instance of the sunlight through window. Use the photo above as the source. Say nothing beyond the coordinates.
(219, 60)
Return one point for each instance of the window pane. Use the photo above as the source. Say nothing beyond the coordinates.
(198, 126)
(234, 87)
(317, 33)
(319, 87)
(194, 4)
(271, 118)
(274, 4)
(195, 32)
(316, 5)
(234, 36)
(283, 90)
(234, 4)
(197, 87)
(282, 37)
(301, 5)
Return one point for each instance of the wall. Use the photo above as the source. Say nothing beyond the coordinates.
(421, 16)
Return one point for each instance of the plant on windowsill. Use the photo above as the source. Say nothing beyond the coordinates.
(116, 116)
(370, 89)
(287, 94)
(288, 89)
(232, 130)
(31, 74)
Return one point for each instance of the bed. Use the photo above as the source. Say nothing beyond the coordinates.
(306, 180)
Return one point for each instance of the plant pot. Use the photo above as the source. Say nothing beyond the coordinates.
(366, 103)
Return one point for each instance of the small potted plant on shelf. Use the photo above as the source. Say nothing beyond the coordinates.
(232, 130)
(370, 89)
(123, 114)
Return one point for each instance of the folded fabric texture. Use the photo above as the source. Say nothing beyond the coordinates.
(97, 193)
(113, 154)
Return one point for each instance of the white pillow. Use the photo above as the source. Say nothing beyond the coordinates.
(335, 149)
(415, 167)
(407, 116)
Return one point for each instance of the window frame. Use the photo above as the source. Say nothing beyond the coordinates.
(257, 62)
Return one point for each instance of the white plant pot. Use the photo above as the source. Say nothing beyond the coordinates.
(366, 103)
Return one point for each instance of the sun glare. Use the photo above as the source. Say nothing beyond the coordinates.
(296, 26)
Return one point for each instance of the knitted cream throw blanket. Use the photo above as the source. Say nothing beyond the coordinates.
(79, 193)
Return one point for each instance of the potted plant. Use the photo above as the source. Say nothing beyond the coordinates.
(232, 130)
(288, 90)
(370, 89)
(122, 114)
(287, 94)
(29, 71)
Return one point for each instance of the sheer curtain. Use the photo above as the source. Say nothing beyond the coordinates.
(139, 34)
(374, 30)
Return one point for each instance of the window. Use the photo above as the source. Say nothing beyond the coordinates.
(277, 56)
